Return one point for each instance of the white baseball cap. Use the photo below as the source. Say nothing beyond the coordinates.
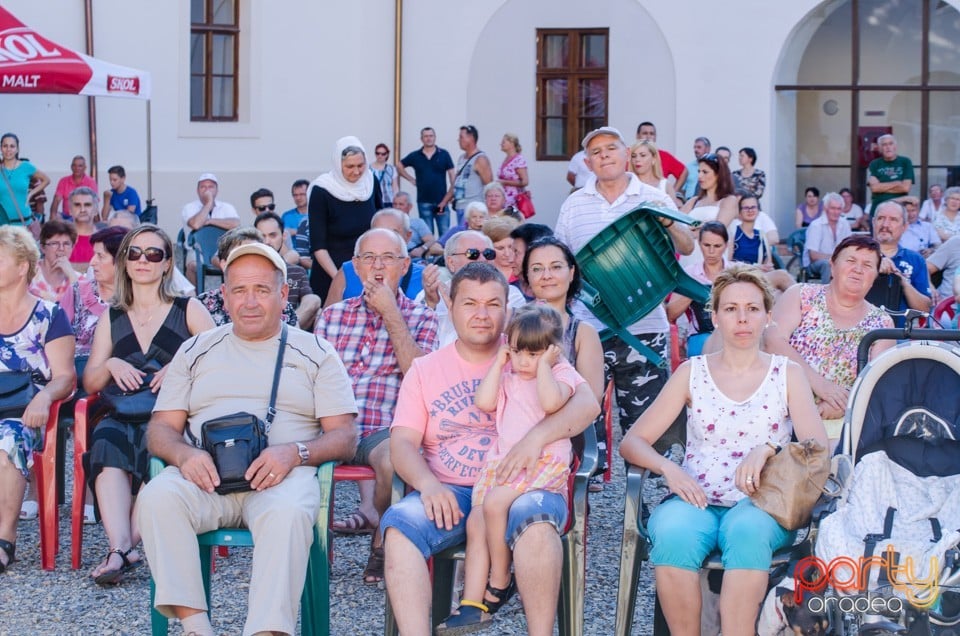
(208, 176)
(603, 130)
(257, 249)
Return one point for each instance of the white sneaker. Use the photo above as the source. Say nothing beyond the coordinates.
(29, 510)
(89, 517)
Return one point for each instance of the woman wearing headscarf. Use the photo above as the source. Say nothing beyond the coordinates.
(342, 203)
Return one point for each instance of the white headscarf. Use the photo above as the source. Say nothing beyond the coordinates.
(337, 185)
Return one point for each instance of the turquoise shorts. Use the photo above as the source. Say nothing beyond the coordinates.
(746, 537)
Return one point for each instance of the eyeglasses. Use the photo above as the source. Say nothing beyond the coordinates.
(388, 260)
(473, 254)
(152, 254)
(59, 244)
(748, 208)
(264, 208)
(538, 271)
(381, 153)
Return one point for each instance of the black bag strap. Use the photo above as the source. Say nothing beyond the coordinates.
(871, 540)
(271, 409)
(935, 529)
(467, 162)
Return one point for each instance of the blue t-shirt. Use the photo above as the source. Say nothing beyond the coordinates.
(431, 174)
(354, 287)
(749, 250)
(914, 267)
(123, 201)
(292, 219)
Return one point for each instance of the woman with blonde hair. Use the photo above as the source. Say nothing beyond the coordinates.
(132, 347)
(513, 171)
(645, 163)
(37, 344)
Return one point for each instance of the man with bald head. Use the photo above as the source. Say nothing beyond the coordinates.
(378, 334)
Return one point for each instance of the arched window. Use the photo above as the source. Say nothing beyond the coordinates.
(875, 66)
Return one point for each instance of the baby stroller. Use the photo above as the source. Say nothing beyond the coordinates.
(887, 560)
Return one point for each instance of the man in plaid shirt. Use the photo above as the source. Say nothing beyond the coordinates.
(377, 334)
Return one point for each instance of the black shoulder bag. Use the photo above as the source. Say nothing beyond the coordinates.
(235, 440)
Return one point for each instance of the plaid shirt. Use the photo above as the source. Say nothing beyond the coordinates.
(359, 336)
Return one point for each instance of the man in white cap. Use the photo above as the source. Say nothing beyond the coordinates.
(206, 210)
(314, 423)
(609, 193)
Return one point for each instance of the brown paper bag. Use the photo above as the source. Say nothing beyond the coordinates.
(791, 483)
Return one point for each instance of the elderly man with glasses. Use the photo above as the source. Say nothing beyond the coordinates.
(378, 334)
(464, 247)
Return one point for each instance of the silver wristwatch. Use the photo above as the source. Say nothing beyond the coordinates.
(303, 452)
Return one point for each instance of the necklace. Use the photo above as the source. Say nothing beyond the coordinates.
(143, 323)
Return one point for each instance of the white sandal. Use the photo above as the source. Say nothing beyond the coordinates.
(29, 510)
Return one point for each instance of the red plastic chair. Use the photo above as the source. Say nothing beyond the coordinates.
(86, 414)
(347, 472)
(944, 312)
(45, 462)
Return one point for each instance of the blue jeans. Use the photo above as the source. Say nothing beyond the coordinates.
(409, 517)
(428, 214)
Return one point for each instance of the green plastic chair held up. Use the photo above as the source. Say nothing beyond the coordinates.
(315, 601)
(629, 268)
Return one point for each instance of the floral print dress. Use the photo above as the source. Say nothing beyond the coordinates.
(722, 431)
(508, 171)
(24, 351)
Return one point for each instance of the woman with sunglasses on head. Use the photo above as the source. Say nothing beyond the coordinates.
(386, 173)
(15, 176)
(131, 349)
(715, 199)
(341, 205)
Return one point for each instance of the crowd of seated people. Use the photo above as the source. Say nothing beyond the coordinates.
(415, 318)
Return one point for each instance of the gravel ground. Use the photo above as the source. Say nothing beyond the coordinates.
(64, 601)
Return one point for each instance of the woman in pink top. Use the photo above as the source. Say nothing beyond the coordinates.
(529, 380)
(513, 170)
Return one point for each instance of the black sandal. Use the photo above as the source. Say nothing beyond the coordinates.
(502, 595)
(9, 549)
(112, 577)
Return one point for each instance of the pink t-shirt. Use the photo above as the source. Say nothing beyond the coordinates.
(436, 399)
(519, 410)
(82, 250)
(66, 185)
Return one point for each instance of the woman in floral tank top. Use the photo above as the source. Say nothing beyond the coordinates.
(820, 326)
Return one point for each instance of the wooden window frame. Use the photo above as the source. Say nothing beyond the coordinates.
(574, 74)
(208, 30)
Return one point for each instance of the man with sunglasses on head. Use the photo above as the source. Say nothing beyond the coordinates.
(461, 248)
(378, 334)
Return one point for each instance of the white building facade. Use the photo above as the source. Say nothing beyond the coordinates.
(799, 81)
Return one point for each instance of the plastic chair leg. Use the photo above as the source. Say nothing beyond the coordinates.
(49, 517)
(443, 579)
(632, 554)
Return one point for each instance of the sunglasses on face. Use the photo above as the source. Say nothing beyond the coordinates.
(473, 254)
(381, 153)
(152, 254)
(264, 208)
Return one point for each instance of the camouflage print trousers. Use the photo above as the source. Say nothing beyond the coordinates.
(637, 383)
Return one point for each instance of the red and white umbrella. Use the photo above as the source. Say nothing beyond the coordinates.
(30, 63)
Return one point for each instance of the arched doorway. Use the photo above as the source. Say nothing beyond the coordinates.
(857, 68)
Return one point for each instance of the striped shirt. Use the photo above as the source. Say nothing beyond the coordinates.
(586, 212)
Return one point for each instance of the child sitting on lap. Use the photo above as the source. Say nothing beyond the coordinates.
(528, 380)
